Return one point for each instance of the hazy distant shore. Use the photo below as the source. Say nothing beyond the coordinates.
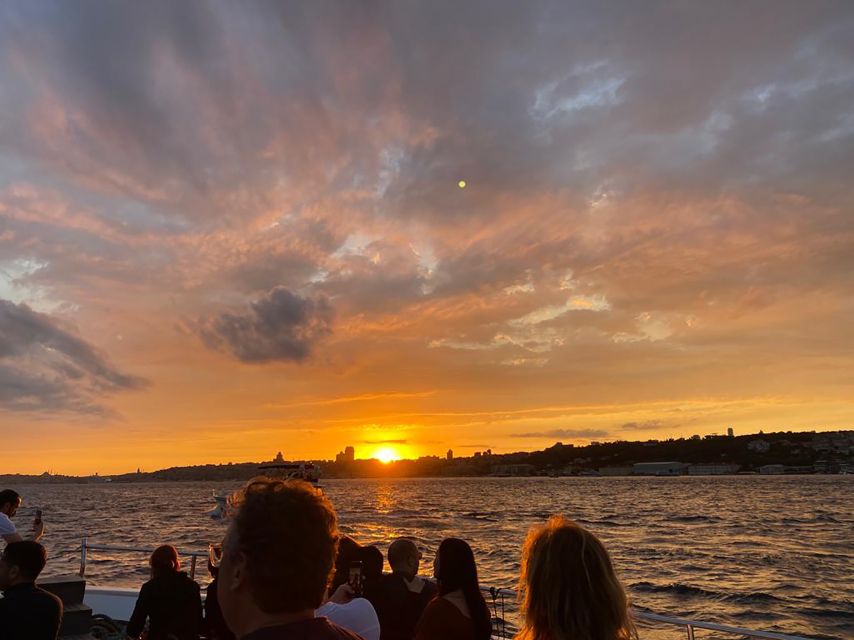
(766, 453)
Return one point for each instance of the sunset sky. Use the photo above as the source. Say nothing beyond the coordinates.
(233, 228)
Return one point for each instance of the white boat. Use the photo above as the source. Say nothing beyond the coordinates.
(278, 468)
(116, 603)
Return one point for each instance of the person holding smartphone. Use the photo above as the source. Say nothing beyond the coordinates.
(347, 606)
(10, 501)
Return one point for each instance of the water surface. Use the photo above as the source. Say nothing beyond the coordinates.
(764, 552)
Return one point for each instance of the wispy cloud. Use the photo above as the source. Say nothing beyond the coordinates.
(384, 441)
(569, 434)
(647, 425)
(364, 397)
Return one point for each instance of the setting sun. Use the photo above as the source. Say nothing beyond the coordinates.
(386, 455)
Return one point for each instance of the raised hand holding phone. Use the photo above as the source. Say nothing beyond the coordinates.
(38, 525)
(355, 577)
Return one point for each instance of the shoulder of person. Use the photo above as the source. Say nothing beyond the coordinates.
(6, 525)
(56, 599)
(436, 605)
(340, 633)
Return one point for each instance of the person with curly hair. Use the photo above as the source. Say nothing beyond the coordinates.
(277, 558)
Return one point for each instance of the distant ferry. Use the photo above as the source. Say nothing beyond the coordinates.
(278, 468)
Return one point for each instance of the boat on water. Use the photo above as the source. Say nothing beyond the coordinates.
(108, 608)
(278, 468)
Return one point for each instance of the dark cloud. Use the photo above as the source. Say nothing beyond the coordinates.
(280, 326)
(570, 434)
(44, 367)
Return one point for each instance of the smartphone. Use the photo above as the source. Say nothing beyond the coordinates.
(38, 516)
(215, 554)
(355, 577)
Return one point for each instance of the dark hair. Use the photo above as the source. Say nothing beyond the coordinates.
(400, 551)
(8, 496)
(28, 555)
(348, 551)
(457, 570)
(288, 533)
(372, 571)
(164, 560)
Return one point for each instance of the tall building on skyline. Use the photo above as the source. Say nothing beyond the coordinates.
(348, 455)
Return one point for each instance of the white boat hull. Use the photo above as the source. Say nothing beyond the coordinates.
(114, 602)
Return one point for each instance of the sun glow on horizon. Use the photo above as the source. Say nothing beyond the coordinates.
(386, 455)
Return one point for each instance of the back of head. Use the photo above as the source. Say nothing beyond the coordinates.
(457, 570)
(401, 553)
(164, 560)
(372, 569)
(28, 557)
(571, 591)
(348, 551)
(9, 497)
(456, 565)
(287, 532)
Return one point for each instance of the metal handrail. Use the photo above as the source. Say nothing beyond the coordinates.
(85, 546)
(494, 592)
(689, 625)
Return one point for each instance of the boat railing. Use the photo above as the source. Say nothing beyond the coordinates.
(497, 598)
(86, 547)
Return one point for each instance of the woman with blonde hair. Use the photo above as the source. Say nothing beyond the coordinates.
(568, 587)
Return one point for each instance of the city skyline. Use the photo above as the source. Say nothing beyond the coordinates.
(229, 229)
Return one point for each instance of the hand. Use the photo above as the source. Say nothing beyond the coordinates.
(38, 529)
(343, 594)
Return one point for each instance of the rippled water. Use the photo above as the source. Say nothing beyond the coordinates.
(770, 553)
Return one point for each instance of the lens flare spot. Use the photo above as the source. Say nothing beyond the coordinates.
(461, 184)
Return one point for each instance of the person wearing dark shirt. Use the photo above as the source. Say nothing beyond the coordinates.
(214, 626)
(277, 557)
(403, 595)
(171, 601)
(459, 612)
(26, 611)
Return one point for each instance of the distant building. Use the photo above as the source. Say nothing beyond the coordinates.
(616, 471)
(759, 446)
(449, 455)
(730, 433)
(712, 469)
(659, 469)
(772, 470)
(513, 470)
(348, 455)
